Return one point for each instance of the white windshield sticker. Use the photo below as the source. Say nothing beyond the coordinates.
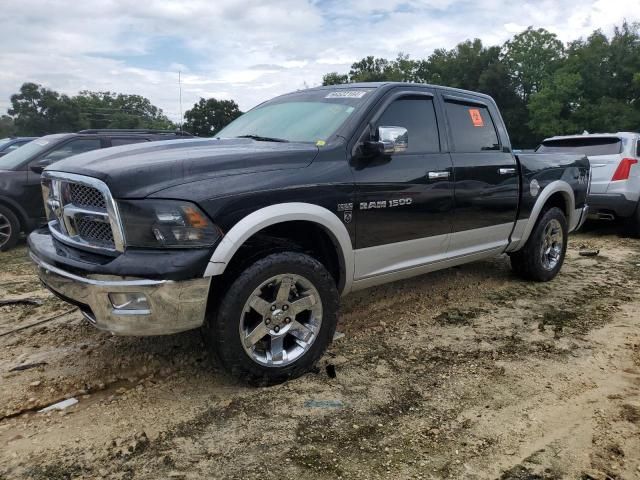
(347, 94)
(41, 142)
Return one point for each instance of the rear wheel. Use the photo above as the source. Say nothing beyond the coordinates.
(543, 255)
(276, 319)
(9, 229)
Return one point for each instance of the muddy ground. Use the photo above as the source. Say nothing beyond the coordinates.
(466, 373)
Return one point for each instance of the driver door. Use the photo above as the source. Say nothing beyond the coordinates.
(404, 200)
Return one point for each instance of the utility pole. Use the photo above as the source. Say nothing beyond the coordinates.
(180, 89)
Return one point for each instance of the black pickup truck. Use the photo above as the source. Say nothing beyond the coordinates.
(254, 235)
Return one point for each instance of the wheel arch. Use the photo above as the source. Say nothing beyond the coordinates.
(556, 194)
(274, 215)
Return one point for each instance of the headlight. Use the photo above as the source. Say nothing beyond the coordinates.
(166, 223)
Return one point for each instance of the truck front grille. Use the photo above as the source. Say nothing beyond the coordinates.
(95, 232)
(83, 196)
(81, 212)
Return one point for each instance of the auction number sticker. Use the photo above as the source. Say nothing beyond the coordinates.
(347, 94)
(476, 117)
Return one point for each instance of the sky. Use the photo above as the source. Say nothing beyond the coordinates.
(252, 50)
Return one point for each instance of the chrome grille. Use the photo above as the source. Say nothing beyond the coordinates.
(83, 196)
(96, 232)
(81, 212)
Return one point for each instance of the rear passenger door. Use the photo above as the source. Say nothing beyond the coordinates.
(485, 176)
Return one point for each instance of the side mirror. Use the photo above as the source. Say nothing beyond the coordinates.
(39, 166)
(393, 139)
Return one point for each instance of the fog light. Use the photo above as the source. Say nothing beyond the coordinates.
(129, 301)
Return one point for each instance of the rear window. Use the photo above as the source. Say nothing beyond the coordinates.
(586, 146)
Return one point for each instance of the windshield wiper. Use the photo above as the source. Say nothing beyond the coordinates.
(263, 139)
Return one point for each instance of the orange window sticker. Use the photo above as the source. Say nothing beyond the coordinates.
(476, 118)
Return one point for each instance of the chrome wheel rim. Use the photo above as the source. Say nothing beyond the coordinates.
(5, 230)
(281, 320)
(552, 244)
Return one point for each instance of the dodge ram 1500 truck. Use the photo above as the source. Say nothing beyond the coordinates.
(255, 234)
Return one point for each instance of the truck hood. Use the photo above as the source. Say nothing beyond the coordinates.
(136, 171)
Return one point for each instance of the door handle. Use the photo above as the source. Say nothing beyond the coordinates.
(506, 171)
(437, 175)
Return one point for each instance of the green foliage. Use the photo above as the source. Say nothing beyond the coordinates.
(118, 110)
(541, 87)
(596, 87)
(209, 116)
(37, 110)
(334, 78)
(531, 57)
(7, 128)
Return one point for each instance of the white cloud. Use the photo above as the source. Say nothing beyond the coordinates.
(251, 50)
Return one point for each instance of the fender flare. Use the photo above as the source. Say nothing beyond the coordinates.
(523, 230)
(279, 213)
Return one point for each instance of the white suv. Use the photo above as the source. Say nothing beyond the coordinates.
(615, 171)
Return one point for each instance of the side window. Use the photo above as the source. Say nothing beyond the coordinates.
(638, 149)
(74, 147)
(418, 116)
(13, 147)
(472, 128)
(116, 142)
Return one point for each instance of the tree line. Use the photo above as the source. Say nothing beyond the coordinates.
(542, 86)
(36, 110)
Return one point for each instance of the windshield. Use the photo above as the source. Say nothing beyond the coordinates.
(307, 116)
(18, 157)
(4, 141)
(590, 146)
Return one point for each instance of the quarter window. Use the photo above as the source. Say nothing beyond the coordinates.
(472, 128)
(418, 116)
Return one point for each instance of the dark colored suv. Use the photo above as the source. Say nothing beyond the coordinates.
(21, 208)
(8, 145)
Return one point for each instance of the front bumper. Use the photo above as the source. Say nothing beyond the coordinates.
(172, 306)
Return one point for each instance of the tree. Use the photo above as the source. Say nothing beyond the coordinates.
(39, 111)
(7, 127)
(118, 110)
(531, 58)
(596, 88)
(334, 78)
(209, 116)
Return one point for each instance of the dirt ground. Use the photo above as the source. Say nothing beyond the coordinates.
(466, 373)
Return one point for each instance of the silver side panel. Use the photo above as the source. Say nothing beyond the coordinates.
(403, 256)
(422, 269)
(279, 213)
(382, 259)
(480, 239)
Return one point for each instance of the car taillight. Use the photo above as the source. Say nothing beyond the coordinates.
(624, 169)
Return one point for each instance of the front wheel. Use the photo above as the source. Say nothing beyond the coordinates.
(9, 229)
(276, 319)
(543, 255)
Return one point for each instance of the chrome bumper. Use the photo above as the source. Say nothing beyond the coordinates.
(171, 306)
